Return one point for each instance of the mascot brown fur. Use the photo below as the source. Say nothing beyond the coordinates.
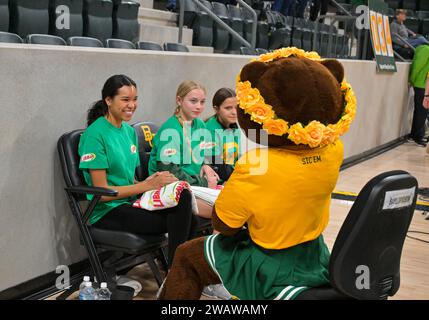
(299, 90)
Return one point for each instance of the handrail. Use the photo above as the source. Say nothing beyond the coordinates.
(255, 21)
(216, 19)
(339, 6)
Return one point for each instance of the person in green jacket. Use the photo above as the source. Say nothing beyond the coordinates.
(418, 79)
(225, 132)
(108, 151)
(182, 143)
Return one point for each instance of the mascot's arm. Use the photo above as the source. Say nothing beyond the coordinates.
(220, 226)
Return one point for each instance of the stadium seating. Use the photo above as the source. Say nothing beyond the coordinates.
(125, 22)
(119, 44)
(46, 39)
(236, 22)
(220, 35)
(424, 22)
(170, 46)
(261, 51)
(281, 30)
(248, 51)
(75, 27)
(261, 29)
(97, 19)
(7, 37)
(29, 17)
(394, 4)
(148, 45)
(84, 42)
(4, 15)
(200, 23)
(409, 4)
(412, 21)
(424, 5)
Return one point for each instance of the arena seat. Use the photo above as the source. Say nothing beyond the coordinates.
(171, 46)
(29, 17)
(75, 28)
(261, 29)
(120, 44)
(409, 4)
(84, 42)
(200, 23)
(124, 248)
(261, 50)
(97, 19)
(379, 219)
(149, 45)
(236, 20)
(424, 22)
(7, 37)
(4, 15)
(394, 4)
(424, 5)
(46, 39)
(281, 30)
(125, 20)
(220, 35)
(297, 33)
(412, 21)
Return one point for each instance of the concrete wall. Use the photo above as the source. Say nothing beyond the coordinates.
(46, 91)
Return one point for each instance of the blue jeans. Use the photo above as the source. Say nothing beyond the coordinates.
(284, 6)
(171, 4)
(415, 42)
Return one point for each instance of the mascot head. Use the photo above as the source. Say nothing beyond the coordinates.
(297, 98)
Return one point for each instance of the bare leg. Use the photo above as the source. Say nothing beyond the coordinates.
(189, 274)
(204, 209)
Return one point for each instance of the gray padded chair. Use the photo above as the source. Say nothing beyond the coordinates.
(4, 15)
(170, 46)
(149, 45)
(29, 17)
(248, 51)
(97, 19)
(76, 21)
(119, 44)
(45, 39)
(125, 20)
(262, 29)
(84, 42)
(7, 37)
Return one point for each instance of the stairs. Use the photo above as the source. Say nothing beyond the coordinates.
(161, 26)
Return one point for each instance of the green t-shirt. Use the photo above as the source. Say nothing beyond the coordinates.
(185, 146)
(420, 67)
(104, 146)
(226, 141)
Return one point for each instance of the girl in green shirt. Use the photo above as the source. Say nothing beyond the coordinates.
(182, 143)
(109, 157)
(224, 132)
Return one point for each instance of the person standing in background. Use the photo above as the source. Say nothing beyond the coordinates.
(318, 5)
(418, 79)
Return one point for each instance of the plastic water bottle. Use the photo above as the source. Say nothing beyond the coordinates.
(103, 293)
(88, 292)
(85, 280)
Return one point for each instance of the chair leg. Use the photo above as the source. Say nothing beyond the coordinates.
(163, 258)
(155, 270)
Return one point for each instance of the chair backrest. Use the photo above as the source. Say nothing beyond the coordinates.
(10, 37)
(220, 10)
(29, 17)
(261, 51)
(208, 4)
(119, 44)
(4, 15)
(145, 132)
(56, 12)
(423, 14)
(148, 45)
(45, 39)
(125, 21)
(97, 19)
(84, 42)
(409, 4)
(248, 51)
(69, 159)
(371, 238)
(170, 46)
(424, 5)
(234, 11)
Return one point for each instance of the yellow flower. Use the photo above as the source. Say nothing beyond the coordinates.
(276, 127)
(315, 133)
(260, 112)
(298, 134)
(329, 135)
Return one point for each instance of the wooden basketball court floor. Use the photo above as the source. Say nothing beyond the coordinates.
(415, 255)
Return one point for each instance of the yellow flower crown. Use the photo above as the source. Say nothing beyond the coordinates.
(314, 133)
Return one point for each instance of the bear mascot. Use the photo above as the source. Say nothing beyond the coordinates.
(272, 211)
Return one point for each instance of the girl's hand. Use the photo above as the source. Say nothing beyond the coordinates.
(159, 180)
(426, 102)
(207, 171)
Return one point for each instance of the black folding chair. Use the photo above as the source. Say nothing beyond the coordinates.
(127, 249)
(365, 259)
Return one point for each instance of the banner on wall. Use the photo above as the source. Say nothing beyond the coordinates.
(381, 38)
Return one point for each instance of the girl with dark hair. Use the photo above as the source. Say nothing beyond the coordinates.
(109, 157)
(225, 133)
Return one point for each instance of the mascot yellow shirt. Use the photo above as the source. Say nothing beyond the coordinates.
(280, 209)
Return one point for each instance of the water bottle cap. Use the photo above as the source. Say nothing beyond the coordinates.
(86, 278)
(103, 285)
(88, 284)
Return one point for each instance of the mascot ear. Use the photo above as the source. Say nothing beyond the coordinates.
(335, 67)
(253, 71)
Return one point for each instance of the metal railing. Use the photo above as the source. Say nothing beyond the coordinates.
(217, 20)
